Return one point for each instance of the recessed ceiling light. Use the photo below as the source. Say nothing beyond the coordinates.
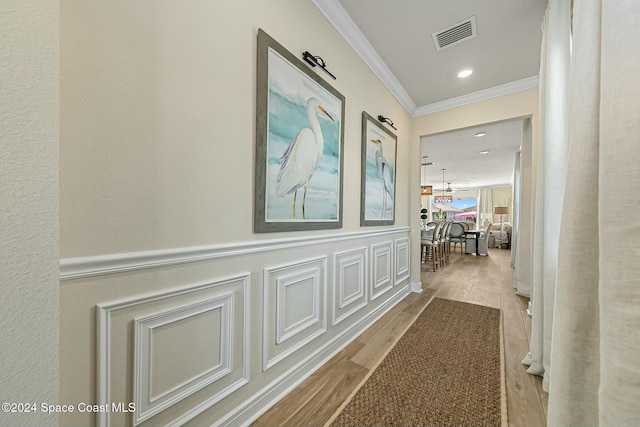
(463, 74)
(480, 134)
(484, 152)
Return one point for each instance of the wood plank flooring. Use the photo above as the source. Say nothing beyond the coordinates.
(478, 280)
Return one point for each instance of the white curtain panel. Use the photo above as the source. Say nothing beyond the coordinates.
(515, 208)
(522, 273)
(595, 376)
(535, 345)
(551, 176)
(619, 282)
(576, 330)
(485, 206)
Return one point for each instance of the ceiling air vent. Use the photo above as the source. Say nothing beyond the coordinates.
(455, 34)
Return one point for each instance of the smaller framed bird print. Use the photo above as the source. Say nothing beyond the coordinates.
(377, 195)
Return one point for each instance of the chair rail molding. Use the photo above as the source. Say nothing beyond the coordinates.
(75, 268)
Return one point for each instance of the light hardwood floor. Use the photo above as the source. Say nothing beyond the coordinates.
(478, 280)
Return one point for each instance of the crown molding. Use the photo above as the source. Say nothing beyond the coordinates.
(340, 19)
(481, 95)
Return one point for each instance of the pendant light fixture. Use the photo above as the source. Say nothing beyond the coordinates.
(443, 198)
(425, 190)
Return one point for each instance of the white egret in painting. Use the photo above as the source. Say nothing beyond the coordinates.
(384, 174)
(301, 157)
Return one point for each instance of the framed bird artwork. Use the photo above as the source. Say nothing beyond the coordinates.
(377, 195)
(299, 144)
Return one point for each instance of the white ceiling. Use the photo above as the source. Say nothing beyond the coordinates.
(395, 39)
(459, 153)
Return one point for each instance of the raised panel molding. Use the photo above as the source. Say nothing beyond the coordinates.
(148, 405)
(279, 339)
(403, 260)
(144, 325)
(381, 259)
(285, 331)
(345, 304)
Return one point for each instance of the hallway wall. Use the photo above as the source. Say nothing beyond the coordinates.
(168, 298)
(29, 209)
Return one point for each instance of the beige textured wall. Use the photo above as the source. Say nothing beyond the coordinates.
(519, 104)
(29, 209)
(502, 196)
(158, 119)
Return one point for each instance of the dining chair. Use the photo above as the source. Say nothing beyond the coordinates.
(430, 245)
(456, 235)
(483, 239)
(439, 241)
(425, 236)
(446, 236)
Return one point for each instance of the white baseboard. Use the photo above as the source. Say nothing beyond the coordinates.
(251, 409)
(416, 287)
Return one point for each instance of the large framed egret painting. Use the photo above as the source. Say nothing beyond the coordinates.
(377, 195)
(299, 144)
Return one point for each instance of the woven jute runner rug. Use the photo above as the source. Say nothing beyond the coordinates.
(446, 370)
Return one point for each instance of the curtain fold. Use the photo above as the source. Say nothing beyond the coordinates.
(485, 206)
(575, 357)
(517, 179)
(551, 176)
(524, 246)
(619, 269)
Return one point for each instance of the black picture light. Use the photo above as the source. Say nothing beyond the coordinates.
(387, 121)
(316, 60)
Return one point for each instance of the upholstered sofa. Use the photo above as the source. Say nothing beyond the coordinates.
(498, 230)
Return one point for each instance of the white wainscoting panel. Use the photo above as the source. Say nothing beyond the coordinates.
(403, 260)
(176, 341)
(297, 303)
(349, 283)
(147, 357)
(381, 268)
(294, 307)
(216, 309)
